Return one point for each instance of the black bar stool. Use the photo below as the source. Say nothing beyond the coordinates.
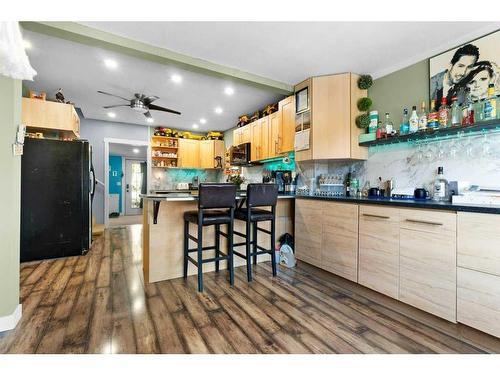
(210, 198)
(258, 195)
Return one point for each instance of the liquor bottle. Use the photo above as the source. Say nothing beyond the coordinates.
(468, 110)
(348, 185)
(444, 114)
(414, 120)
(440, 188)
(455, 112)
(388, 125)
(432, 118)
(490, 104)
(422, 118)
(405, 123)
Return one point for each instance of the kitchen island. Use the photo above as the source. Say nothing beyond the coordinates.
(163, 235)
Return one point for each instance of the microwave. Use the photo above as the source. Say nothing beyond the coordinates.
(240, 155)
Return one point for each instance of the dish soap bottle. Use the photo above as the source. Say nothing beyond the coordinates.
(440, 189)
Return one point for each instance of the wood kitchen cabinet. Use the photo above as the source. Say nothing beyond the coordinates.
(209, 150)
(275, 134)
(46, 115)
(332, 112)
(241, 135)
(255, 137)
(379, 249)
(189, 153)
(287, 127)
(308, 230)
(339, 241)
(428, 264)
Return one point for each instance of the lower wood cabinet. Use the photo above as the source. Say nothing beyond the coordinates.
(308, 231)
(339, 243)
(427, 273)
(478, 300)
(379, 249)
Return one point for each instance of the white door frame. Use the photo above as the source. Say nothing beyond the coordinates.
(132, 142)
(124, 189)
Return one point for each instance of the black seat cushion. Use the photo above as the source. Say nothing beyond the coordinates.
(211, 217)
(255, 214)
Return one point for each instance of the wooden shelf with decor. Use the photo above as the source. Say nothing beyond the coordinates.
(38, 114)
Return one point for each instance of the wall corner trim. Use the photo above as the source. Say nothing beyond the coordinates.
(9, 322)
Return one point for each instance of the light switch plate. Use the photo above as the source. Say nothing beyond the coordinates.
(17, 149)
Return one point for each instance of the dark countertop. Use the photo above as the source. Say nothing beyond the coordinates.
(412, 203)
(186, 196)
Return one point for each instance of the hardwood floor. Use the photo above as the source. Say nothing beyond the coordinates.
(99, 304)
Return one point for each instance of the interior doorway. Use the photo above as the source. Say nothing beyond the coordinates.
(126, 179)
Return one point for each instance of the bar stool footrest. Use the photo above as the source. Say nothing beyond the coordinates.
(203, 249)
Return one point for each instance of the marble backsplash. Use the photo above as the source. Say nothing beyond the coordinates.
(167, 179)
(473, 159)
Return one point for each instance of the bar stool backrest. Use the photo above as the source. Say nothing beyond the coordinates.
(259, 195)
(216, 196)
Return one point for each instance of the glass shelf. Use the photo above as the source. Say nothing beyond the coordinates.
(438, 134)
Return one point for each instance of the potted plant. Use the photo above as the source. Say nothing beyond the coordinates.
(236, 179)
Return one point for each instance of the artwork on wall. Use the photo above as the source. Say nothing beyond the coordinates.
(469, 67)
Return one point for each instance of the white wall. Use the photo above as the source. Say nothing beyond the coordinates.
(95, 131)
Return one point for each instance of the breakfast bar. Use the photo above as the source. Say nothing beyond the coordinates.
(162, 251)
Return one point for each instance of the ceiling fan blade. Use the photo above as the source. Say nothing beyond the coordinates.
(116, 96)
(116, 105)
(150, 99)
(158, 108)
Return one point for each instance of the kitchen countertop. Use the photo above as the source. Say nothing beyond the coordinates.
(187, 196)
(415, 203)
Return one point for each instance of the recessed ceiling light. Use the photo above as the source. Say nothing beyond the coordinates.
(218, 110)
(195, 126)
(111, 114)
(176, 78)
(229, 90)
(111, 64)
(150, 120)
(136, 150)
(26, 44)
(203, 121)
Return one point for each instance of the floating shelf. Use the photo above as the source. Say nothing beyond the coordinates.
(437, 134)
(168, 147)
(163, 157)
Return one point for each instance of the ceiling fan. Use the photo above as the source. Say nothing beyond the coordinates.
(140, 103)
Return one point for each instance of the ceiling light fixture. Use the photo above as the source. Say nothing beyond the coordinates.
(229, 90)
(150, 120)
(218, 110)
(111, 64)
(111, 114)
(203, 121)
(26, 44)
(176, 78)
(195, 126)
(136, 150)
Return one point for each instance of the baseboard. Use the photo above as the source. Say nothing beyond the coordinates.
(9, 322)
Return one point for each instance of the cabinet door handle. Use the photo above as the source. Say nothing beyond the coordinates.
(423, 222)
(377, 216)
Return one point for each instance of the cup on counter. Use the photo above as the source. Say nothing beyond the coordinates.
(420, 193)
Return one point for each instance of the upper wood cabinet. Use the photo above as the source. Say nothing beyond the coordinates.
(287, 132)
(379, 249)
(264, 138)
(209, 150)
(255, 136)
(47, 115)
(333, 110)
(275, 134)
(188, 153)
(241, 135)
(428, 263)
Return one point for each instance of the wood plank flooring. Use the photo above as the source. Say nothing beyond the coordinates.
(99, 304)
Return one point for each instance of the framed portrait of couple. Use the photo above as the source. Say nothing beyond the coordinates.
(466, 70)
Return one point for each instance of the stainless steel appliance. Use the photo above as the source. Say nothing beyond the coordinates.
(240, 155)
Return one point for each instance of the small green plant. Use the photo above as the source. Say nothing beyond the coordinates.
(365, 81)
(362, 121)
(364, 104)
(236, 179)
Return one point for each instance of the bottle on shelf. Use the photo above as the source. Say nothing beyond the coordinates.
(348, 185)
(444, 114)
(372, 127)
(455, 112)
(468, 110)
(388, 126)
(405, 123)
(413, 120)
(440, 187)
(422, 117)
(490, 104)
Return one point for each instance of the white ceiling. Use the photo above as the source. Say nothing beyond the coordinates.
(128, 150)
(292, 51)
(79, 69)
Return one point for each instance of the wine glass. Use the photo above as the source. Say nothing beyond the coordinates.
(453, 149)
(428, 153)
(486, 147)
(470, 151)
(440, 152)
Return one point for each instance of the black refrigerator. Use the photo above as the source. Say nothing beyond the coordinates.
(57, 188)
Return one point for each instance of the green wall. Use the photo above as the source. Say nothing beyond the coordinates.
(10, 193)
(404, 88)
